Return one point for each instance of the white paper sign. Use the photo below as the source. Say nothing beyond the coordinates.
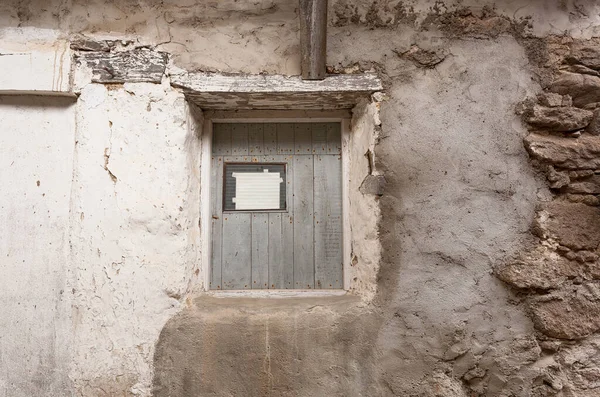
(257, 190)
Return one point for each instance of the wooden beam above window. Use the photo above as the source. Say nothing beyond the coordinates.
(215, 91)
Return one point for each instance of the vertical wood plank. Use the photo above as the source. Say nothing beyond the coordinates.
(334, 138)
(221, 139)
(255, 139)
(260, 250)
(319, 138)
(285, 138)
(270, 138)
(239, 139)
(237, 251)
(216, 221)
(328, 221)
(304, 271)
(281, 235)
(302, 138)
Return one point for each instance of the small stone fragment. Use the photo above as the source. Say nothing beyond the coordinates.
(423, 58)
(594, 126)
(557, 179)
(559, 118)
(373, 184)
(550, 99)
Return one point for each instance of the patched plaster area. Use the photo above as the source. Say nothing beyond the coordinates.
(134, 232)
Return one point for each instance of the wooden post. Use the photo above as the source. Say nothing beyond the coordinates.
(313, 38)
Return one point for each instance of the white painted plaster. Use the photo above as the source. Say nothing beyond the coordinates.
(34, 61)
(135, 235)
(36, 159)
(364, 212)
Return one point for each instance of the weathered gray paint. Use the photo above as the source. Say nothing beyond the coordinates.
(328, 221)
(217, 221)
(280, 248)
(237, 257)
(212, 91)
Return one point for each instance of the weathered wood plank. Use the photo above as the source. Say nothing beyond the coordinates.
(214, 91)
(239, 139)
(304, 270)
(217, 221)
(202, 82)
(313, 38)
(237, 251)
(328, 221)
(255, 139)
(221, 139)
(285, 138)
(281, 235)
(334, 138)
(270, 138)
(135, 66)
(260, 250)
(302, 138)
(319, 138)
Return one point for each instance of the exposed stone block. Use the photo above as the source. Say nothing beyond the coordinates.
(584, 89)
(573, 225)
(560, 118)
(581, 153)
(587, 199)
(136, 66)
(585, 54)
(572, 313)
(540, 269)
(589, 185)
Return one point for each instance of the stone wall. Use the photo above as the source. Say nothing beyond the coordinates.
(558, 276)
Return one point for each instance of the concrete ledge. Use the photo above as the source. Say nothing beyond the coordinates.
(37, 72)
(303, 346)
(214, 91)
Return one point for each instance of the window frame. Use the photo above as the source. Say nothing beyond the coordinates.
(272, 116)
(223, 194)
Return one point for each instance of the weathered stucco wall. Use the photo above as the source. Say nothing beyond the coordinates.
(135, 237)
(460, 196)
(36, 167)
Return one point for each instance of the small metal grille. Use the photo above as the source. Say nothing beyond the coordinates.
(258, 189)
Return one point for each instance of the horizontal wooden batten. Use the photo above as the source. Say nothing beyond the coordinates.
(218, 92)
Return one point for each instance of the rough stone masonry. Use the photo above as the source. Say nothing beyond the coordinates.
(474, 188)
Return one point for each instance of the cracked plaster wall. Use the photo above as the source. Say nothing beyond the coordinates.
(460, 198)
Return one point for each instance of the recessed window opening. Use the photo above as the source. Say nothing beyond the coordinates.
(276, 203)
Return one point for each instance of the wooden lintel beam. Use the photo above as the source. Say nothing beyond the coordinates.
(313, 38)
